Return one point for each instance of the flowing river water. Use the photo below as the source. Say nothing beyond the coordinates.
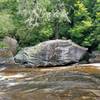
(78, 82)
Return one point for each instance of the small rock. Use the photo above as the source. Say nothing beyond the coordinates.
(6, 56)
(11, 43)
(95, 57)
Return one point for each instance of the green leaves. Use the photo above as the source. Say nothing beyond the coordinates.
(38, 12)
(6, 24)
(33, 21)
(3, 45)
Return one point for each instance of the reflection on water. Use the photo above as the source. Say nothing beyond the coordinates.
(63, 83)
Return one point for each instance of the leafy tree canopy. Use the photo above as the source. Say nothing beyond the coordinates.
(33, 21)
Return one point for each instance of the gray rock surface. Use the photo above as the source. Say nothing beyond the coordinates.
(95, 57)
(6, 56)
(51, 53)
(11, 43)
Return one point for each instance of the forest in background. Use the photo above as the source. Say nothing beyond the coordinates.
(34, 21)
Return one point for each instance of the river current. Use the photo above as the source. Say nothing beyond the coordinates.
(78, 82)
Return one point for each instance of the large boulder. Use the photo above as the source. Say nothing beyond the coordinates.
(11, 43)
(6, 56)
(51, 53)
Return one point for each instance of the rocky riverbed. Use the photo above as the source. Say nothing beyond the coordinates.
(78, 82)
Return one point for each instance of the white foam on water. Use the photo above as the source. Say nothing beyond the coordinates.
(12, 84)
(97, 65)
(1, 69)
(15, 76)
(8, 77)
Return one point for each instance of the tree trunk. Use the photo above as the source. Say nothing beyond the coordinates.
(56, 29)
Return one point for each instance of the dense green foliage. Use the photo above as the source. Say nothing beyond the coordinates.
(3, 45)
(33, 21)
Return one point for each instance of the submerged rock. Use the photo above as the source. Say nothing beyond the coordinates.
(51, 53)
(6, 56)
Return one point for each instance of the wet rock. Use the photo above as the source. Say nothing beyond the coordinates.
(51, 53)
(11, 43)
(95, 57)
(6, 56)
